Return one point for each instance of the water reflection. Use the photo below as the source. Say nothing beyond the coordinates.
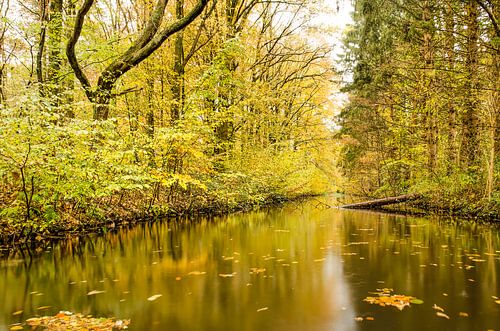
(295, 268)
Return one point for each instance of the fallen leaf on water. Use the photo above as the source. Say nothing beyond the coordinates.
(440, 314)
(319, 260)
(178, 278)
(385, 298)
(16, 327)
(197, 273)
(94, 292)
(19, 312)
(436, 307)
(70, 321)
(257, 270)
(462, 314)
(497, 301)
(262, 309)
(369, 318)
(227, 275)
(43, 307)
(154, 297)
(358, 319)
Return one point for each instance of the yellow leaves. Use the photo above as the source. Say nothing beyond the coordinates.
(436, 307)
(154, 297)
(182, 180)
(262, 309)
(256, 271)
(462, 314)
(94, 292)
(19, 312)
(440, 314)
(65, 320)
(196, 273)
(228, 275)
(43, 307)
(385, 298)
(16, 327)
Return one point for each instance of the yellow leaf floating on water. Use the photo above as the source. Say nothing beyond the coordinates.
(440, 314)
(227, 275)
(197, 273)
(19, 312)
(385, 298)
(262, 309)
(257, 270)
(43, 307)
(497, 301)
(436, 307)
(94, 292)
(69, 321)
(154, 297)
(462, 314)
(16, 327)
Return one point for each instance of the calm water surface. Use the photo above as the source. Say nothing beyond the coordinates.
(294, 268)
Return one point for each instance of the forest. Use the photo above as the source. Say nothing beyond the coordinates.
(424, 109)
(118, 110)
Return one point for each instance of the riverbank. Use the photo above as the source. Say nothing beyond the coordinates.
(126, 214)
(64, 177)
(437, 205)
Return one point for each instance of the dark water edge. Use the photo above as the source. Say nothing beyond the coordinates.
(299, 267)
(16, 241)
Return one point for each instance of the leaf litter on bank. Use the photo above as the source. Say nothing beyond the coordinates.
(65, 320)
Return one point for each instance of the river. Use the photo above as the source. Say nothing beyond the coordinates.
(299, 267)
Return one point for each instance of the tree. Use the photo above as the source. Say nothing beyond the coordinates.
(150, 39)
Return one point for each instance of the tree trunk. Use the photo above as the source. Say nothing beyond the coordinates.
(43, 10)
(2, 72)
(452, 148)
(150, 115)
(101, 100)
(496, 75)
(428, 81)
(177, 85)
(471, 151)
(55, 25)
(382, 202)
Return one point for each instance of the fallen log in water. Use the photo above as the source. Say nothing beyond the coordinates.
(381, 202)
